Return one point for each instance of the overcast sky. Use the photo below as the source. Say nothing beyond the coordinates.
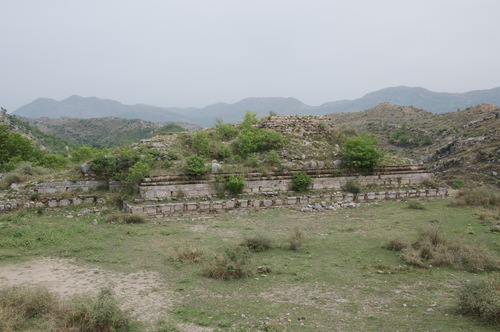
(195, 53)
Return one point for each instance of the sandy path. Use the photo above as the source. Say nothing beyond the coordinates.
(142, 292)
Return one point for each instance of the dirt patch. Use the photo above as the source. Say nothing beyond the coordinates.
(143, 293)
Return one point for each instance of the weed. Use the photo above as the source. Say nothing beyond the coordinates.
(229, 264)
(100, 313)
(416, 205)
(134, 219)
(485, 196)
(258, 242)
(457, 183)
(434, 250)
(296, 240)
(480, 298)
(188, 255)
(430, 184)
(397, 244)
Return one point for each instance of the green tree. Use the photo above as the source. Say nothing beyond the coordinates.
(361, 153)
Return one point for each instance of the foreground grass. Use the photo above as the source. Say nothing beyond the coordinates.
(341, 278)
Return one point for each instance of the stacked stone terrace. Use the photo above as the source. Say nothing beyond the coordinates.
(298, 125)
(165, 188)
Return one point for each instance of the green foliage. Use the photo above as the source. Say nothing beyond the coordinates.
(457, 183)
(201, 144)
(361, 153)
(225, 131)
(272, 158)
(480, 298)
(85, 153)
(249, 120)
(233, 183)
(416, 205)
(171, 128)
(138, 172)
(301, 182)
(252, 139)
(195, 166)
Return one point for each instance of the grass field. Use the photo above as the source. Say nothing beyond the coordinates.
(342, 278)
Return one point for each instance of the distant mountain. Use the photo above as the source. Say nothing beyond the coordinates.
(436, 102)
(92, 107)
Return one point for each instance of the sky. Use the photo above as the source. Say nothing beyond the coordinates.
(192, 53)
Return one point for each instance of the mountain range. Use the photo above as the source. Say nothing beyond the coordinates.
(92, 107)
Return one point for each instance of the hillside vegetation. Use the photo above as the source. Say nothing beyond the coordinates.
(106, 132)
(462, 144)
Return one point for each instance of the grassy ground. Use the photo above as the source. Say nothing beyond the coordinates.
(341, 279)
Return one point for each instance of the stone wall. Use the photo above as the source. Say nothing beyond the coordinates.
(160, 189)
(53, 202)
(68, 186)
(182, 208)
(298, 125)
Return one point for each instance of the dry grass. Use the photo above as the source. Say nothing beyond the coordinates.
(258, 242)
(36, 309)
(431, 249)
(231, 263)
(485, 196)
(296, 240)
(188, 255)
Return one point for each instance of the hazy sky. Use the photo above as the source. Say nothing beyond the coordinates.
(194, 53)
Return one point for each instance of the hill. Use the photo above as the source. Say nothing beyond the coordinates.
(106, 132)
(461, 144)
(92, 107)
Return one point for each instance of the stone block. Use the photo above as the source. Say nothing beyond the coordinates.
(243, 203)
(360, 197)
(370, 196)
(167, 208)
(267, 203)
(230, 204)
(52, 203)
(192, 206)
(150, 210)
(77, 201)
(349, 197)
(291, 201)
(204, 206)
(64, 202)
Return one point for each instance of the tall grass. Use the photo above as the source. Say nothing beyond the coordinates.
(480, 298)
(25, 308)
(432, 249)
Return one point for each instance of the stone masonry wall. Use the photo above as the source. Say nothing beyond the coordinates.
(273, 185)
(183, 208)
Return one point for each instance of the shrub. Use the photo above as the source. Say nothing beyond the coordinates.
(257, 242)
(100, 313)
(201, 144)
(225, 131)
(397, 244)
(273, 158)
(235, 184)
(195, 166)
(296, 240)
(480, 298)
(133, 219)
(431, 184)
(361, 153)
(188, 255)
(230, 264)
(353, 187)
(457, 183)
(28, 302)
(301, 182)
(416, 205)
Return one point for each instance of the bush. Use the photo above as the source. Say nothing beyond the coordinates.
(257, 242)
(195, 166)
(296, 240)
(353, 187)
(225, 131)
(457, 183)
(301, 182)
(361, 153)
(235, 184)
(201, 144)
(133, 219)
(100, 313)
(480, 298)
(230, 264)
(273, 158)
(35, 308)
(416, 205)
(138, 172)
